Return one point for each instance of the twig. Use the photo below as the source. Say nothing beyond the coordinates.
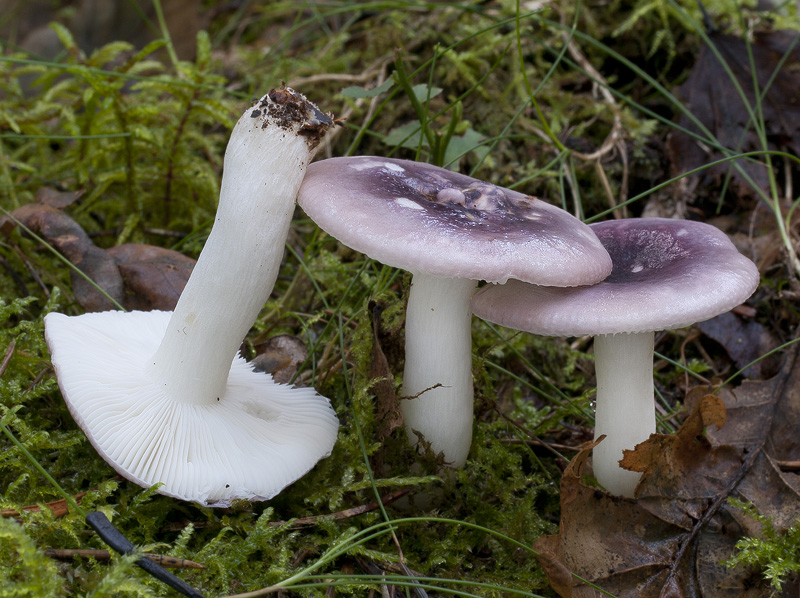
(66, 554)
(7, 357)
(114, 538)
(687, 543)
(347, 513)
(58, 507)
(538, 442)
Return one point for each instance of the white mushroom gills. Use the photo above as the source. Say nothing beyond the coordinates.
(165, 397)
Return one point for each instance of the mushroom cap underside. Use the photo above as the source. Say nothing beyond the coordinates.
(427, 219)
(258, 438)
(667, 274)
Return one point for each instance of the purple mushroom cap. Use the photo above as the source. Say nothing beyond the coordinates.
(667, 274)
(430, 220)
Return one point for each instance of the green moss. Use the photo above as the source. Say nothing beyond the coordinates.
(144, 140)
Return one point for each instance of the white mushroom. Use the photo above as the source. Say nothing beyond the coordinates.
(450, 231)
(667, 274)
(165, 397)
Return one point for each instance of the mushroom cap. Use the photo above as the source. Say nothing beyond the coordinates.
(256, 440)
(427, 219)
(667, 274)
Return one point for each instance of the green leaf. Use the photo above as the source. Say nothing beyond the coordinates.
(421, 92)
(462, 144)
(407, 136)
(355, 92)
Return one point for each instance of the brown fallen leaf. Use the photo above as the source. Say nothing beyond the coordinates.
(69, 239)
(281, 356)
(714, 100)
(136, 276)
(744, 341)
(154, 277)
(670, 540)
(387, 404)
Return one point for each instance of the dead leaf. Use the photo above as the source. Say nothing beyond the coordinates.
(57, 199)
(387, 404)
(69, 239)
(714, 100)
(744, 341)
(671, 539)
(281, 356)
(137, 276)
(154, 277)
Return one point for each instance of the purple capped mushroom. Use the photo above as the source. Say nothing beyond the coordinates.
(164, 397)
(667, 274)
(450, 231)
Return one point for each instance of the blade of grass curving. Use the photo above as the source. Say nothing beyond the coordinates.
(66, 495)
(162, 25)
(382, 528)
(531, 96)
(391, 94)
(739, 372)
(431, 583)
(553, 66)
(690, 172)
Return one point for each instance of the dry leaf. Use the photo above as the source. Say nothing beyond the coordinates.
(387, 403)
(715, 101)
(281, 356)
(671, 539)
(154, 277)
(744, 341)
(137, 276)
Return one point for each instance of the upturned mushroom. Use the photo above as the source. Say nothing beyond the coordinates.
(165, 397)
(667, 274)
(450, 231)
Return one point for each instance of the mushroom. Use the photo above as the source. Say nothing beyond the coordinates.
(164, 397)
(667, 274)
(450, 231)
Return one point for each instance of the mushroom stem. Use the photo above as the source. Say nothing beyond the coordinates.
(625, 408)
(439, 352)
(237, 268)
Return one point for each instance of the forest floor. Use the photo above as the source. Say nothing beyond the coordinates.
(114, 119)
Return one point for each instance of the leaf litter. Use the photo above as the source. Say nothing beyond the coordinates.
(713, 98)
(670, 541)
(134, 275)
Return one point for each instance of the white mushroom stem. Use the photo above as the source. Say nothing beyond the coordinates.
(625, 410)
(236, 271)
(438, 366)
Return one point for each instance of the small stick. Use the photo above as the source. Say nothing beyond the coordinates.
(58, 507)
(114, 538)
(789, 465)
(7, 357)
(66, 554)
(347, 513)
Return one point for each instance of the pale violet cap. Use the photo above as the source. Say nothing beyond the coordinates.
(430, 220)
(667, 274)
(256, 440)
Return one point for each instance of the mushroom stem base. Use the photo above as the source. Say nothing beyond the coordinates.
(438, 371)
(625, 410)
